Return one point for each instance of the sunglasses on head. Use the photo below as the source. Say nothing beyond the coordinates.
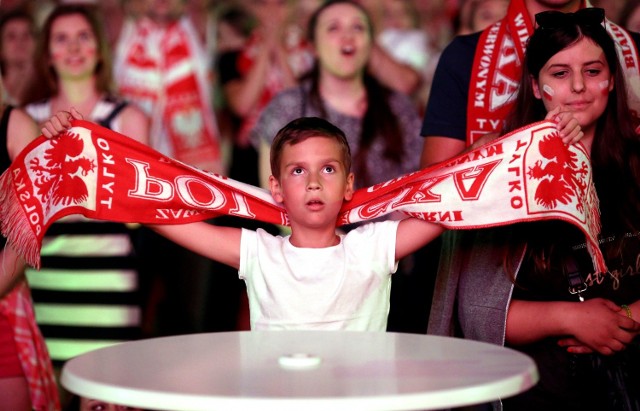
(587, 17)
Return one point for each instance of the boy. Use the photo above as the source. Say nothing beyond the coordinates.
(314, 278)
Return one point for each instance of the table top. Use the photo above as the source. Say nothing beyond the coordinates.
(294, 370)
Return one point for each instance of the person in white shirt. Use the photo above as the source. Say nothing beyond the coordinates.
(314, 278)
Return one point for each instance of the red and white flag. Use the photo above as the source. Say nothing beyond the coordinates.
(525, 176)
(164, 70)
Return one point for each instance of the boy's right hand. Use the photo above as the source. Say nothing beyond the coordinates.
(60, 122)
(568, 127)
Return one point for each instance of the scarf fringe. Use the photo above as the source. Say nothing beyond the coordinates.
(15, 223)
(594, 225)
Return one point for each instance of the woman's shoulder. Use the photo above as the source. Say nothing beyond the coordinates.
(114, 106)
(285, 106)
(131, 111)
(122, 116)
(20, 118)
(288, 102)
(135, 123)
(278, 113)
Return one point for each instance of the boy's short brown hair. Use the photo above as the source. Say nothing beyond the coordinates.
(301, 129)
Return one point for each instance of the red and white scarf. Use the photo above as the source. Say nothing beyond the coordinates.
(527, 175)
(17, 306)
(497, 68)
(164, 70)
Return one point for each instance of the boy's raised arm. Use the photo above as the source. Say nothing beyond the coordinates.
(413, 234)
(217, 243)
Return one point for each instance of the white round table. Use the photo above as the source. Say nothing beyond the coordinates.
(356, 371)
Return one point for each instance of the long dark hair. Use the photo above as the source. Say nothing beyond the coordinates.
(48, 86)
(378, 121)
(615, 151)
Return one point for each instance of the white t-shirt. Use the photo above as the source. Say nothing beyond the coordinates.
(344, 287)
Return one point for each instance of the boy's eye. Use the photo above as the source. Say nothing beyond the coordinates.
(297, 171)
(329, 169)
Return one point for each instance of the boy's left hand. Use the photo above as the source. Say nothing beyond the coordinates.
(568, 127)
(60, 122)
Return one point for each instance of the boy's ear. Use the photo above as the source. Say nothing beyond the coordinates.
(276, 189)
(348, 192)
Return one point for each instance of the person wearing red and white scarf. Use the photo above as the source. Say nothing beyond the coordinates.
(161, 65)
(478, 75)
(531, 287)
(493, 55)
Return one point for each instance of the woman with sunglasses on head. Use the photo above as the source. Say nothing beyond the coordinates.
(532, 286)
(468, 99)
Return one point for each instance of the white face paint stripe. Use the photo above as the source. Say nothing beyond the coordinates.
(603, 84)
(548, 90)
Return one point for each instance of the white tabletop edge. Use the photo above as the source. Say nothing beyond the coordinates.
(146, 399)
(413, 401)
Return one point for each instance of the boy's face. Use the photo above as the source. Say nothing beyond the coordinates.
(313, 182)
